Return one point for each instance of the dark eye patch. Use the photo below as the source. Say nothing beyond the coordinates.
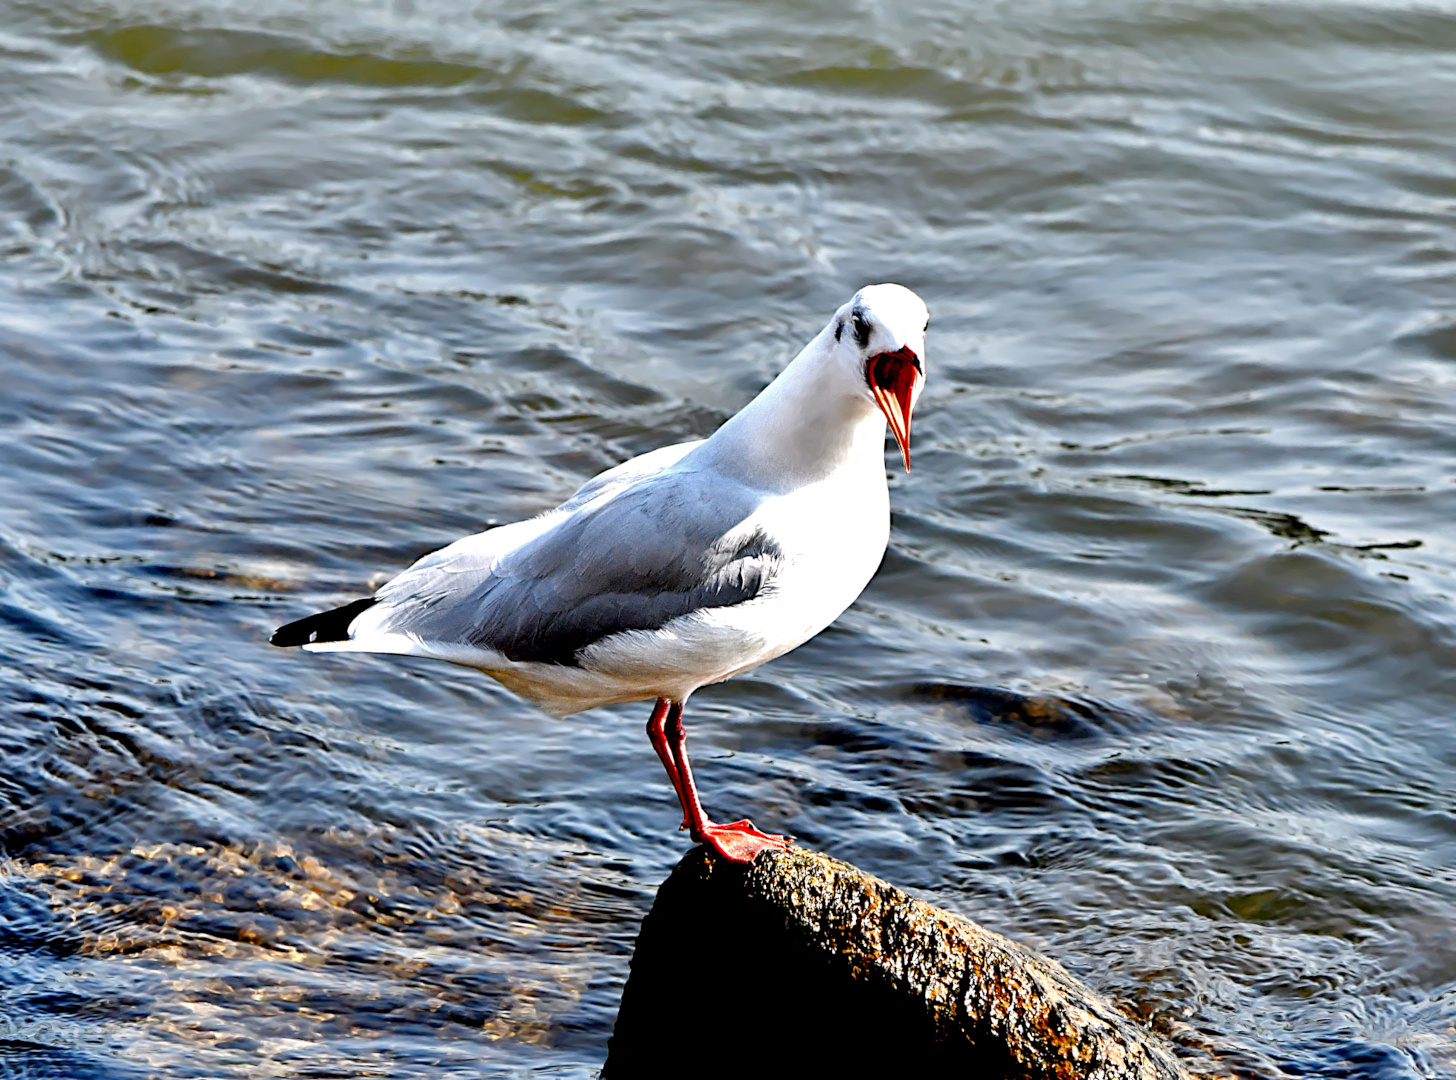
(861, 329)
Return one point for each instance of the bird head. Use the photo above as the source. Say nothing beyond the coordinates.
(881, 334)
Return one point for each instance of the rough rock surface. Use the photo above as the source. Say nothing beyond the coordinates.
(802, 965)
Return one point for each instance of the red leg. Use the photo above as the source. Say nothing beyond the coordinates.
(738, 841)
(658, 738)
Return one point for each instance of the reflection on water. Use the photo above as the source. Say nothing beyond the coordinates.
(269, 958)
(1156, 676)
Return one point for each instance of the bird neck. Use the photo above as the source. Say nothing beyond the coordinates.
(808, 423)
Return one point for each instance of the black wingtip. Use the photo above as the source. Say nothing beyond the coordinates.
(330, 625)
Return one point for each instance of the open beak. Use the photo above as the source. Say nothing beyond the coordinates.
(895, 379)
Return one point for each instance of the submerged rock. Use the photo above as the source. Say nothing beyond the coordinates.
(803, 965)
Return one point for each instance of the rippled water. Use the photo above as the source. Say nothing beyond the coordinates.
(292, 293)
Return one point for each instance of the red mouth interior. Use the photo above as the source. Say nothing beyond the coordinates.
(892, 378)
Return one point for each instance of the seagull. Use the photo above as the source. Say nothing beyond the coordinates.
(681, 567)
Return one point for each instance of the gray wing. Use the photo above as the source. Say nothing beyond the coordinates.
(659, 549)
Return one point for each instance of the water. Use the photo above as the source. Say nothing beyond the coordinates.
(294, 293)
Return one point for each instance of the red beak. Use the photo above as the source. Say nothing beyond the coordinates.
(894, 379)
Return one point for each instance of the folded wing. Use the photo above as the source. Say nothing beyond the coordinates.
(651, 552)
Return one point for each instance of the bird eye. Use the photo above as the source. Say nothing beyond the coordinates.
(861, 329)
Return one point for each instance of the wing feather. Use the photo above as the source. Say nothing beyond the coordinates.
(630, 556)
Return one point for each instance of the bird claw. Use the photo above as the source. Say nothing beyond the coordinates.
(740, 841)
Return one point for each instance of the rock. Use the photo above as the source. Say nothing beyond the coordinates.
(800, 965)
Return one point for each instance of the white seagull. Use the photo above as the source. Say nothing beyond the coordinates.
(684, 566)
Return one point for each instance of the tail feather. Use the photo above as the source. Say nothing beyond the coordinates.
(325, 626)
